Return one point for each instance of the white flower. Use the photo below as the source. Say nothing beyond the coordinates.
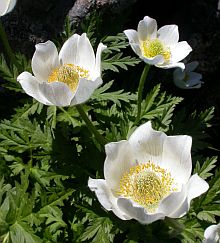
(158, 47)
(147, 177)
(6, 6)
(187, 79)
(65, 79)
(212, 234)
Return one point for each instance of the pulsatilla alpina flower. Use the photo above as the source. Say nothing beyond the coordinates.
(187, 79)
(6, 6)
(212, 234)
(147, 177)
(65, 79)
(158, 47)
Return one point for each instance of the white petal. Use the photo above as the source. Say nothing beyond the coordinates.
(105, 197)
(212, 234)
(31, 87)
(3, 7)
(192, 66)
(86, 54)
(177, 157)
(84, 90)
(44, 60)
(57, 93)
(133, 41)
(78, 50)
(194, 79)
(147, 144)
(137, 212)
(97, 72)
(154, 60)
(172, 203)
(179, 51)
(136, 48)
(119, 159)
(178, 75)
(147, 28)
(196, 86)
(69, 51)
(181, 211)
(172, 65)
(11, 6)
(132, 36)
(169, 35)
(182, 84)
(194, 188)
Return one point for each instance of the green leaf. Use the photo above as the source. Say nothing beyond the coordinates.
(100, 229)
(115, 96)
(9, 74)
(207, 166)
(160, 107)
(112, 58)
(213, 194)
(192, 232)
(117, 61)
(21, 232)
(208, 216)
(115, 43)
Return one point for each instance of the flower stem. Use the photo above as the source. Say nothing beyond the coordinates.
(140, 90)
(90, 126)
(8, 50)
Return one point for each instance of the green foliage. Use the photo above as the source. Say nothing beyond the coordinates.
(47, 155)
(194, 124)
(204, 170)
(117, 61)
(116, 97)
(192, 232)
(99, 230)
(10, 73)
(112, 58)
(159, 106)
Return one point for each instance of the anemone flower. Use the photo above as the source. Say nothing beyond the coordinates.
(148, 177)
(64, 79)
(158, 47)
(187, 78)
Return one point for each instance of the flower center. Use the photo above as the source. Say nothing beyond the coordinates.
(68, 74)
(152, 48)
(146, 184)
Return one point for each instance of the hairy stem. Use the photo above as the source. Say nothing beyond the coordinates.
(90, 126)
(140, 90)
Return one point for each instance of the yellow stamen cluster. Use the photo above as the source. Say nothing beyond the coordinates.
(152, 48)
(68, 74)
(146, 184)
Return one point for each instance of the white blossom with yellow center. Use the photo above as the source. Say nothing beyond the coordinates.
(67, 78)
(6, 6)
(148, 177)
(158, 47)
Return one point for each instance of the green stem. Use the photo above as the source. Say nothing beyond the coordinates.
(90, 126)
(8, 50)
(140, 90)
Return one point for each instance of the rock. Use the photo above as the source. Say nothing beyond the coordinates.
(32, 22)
